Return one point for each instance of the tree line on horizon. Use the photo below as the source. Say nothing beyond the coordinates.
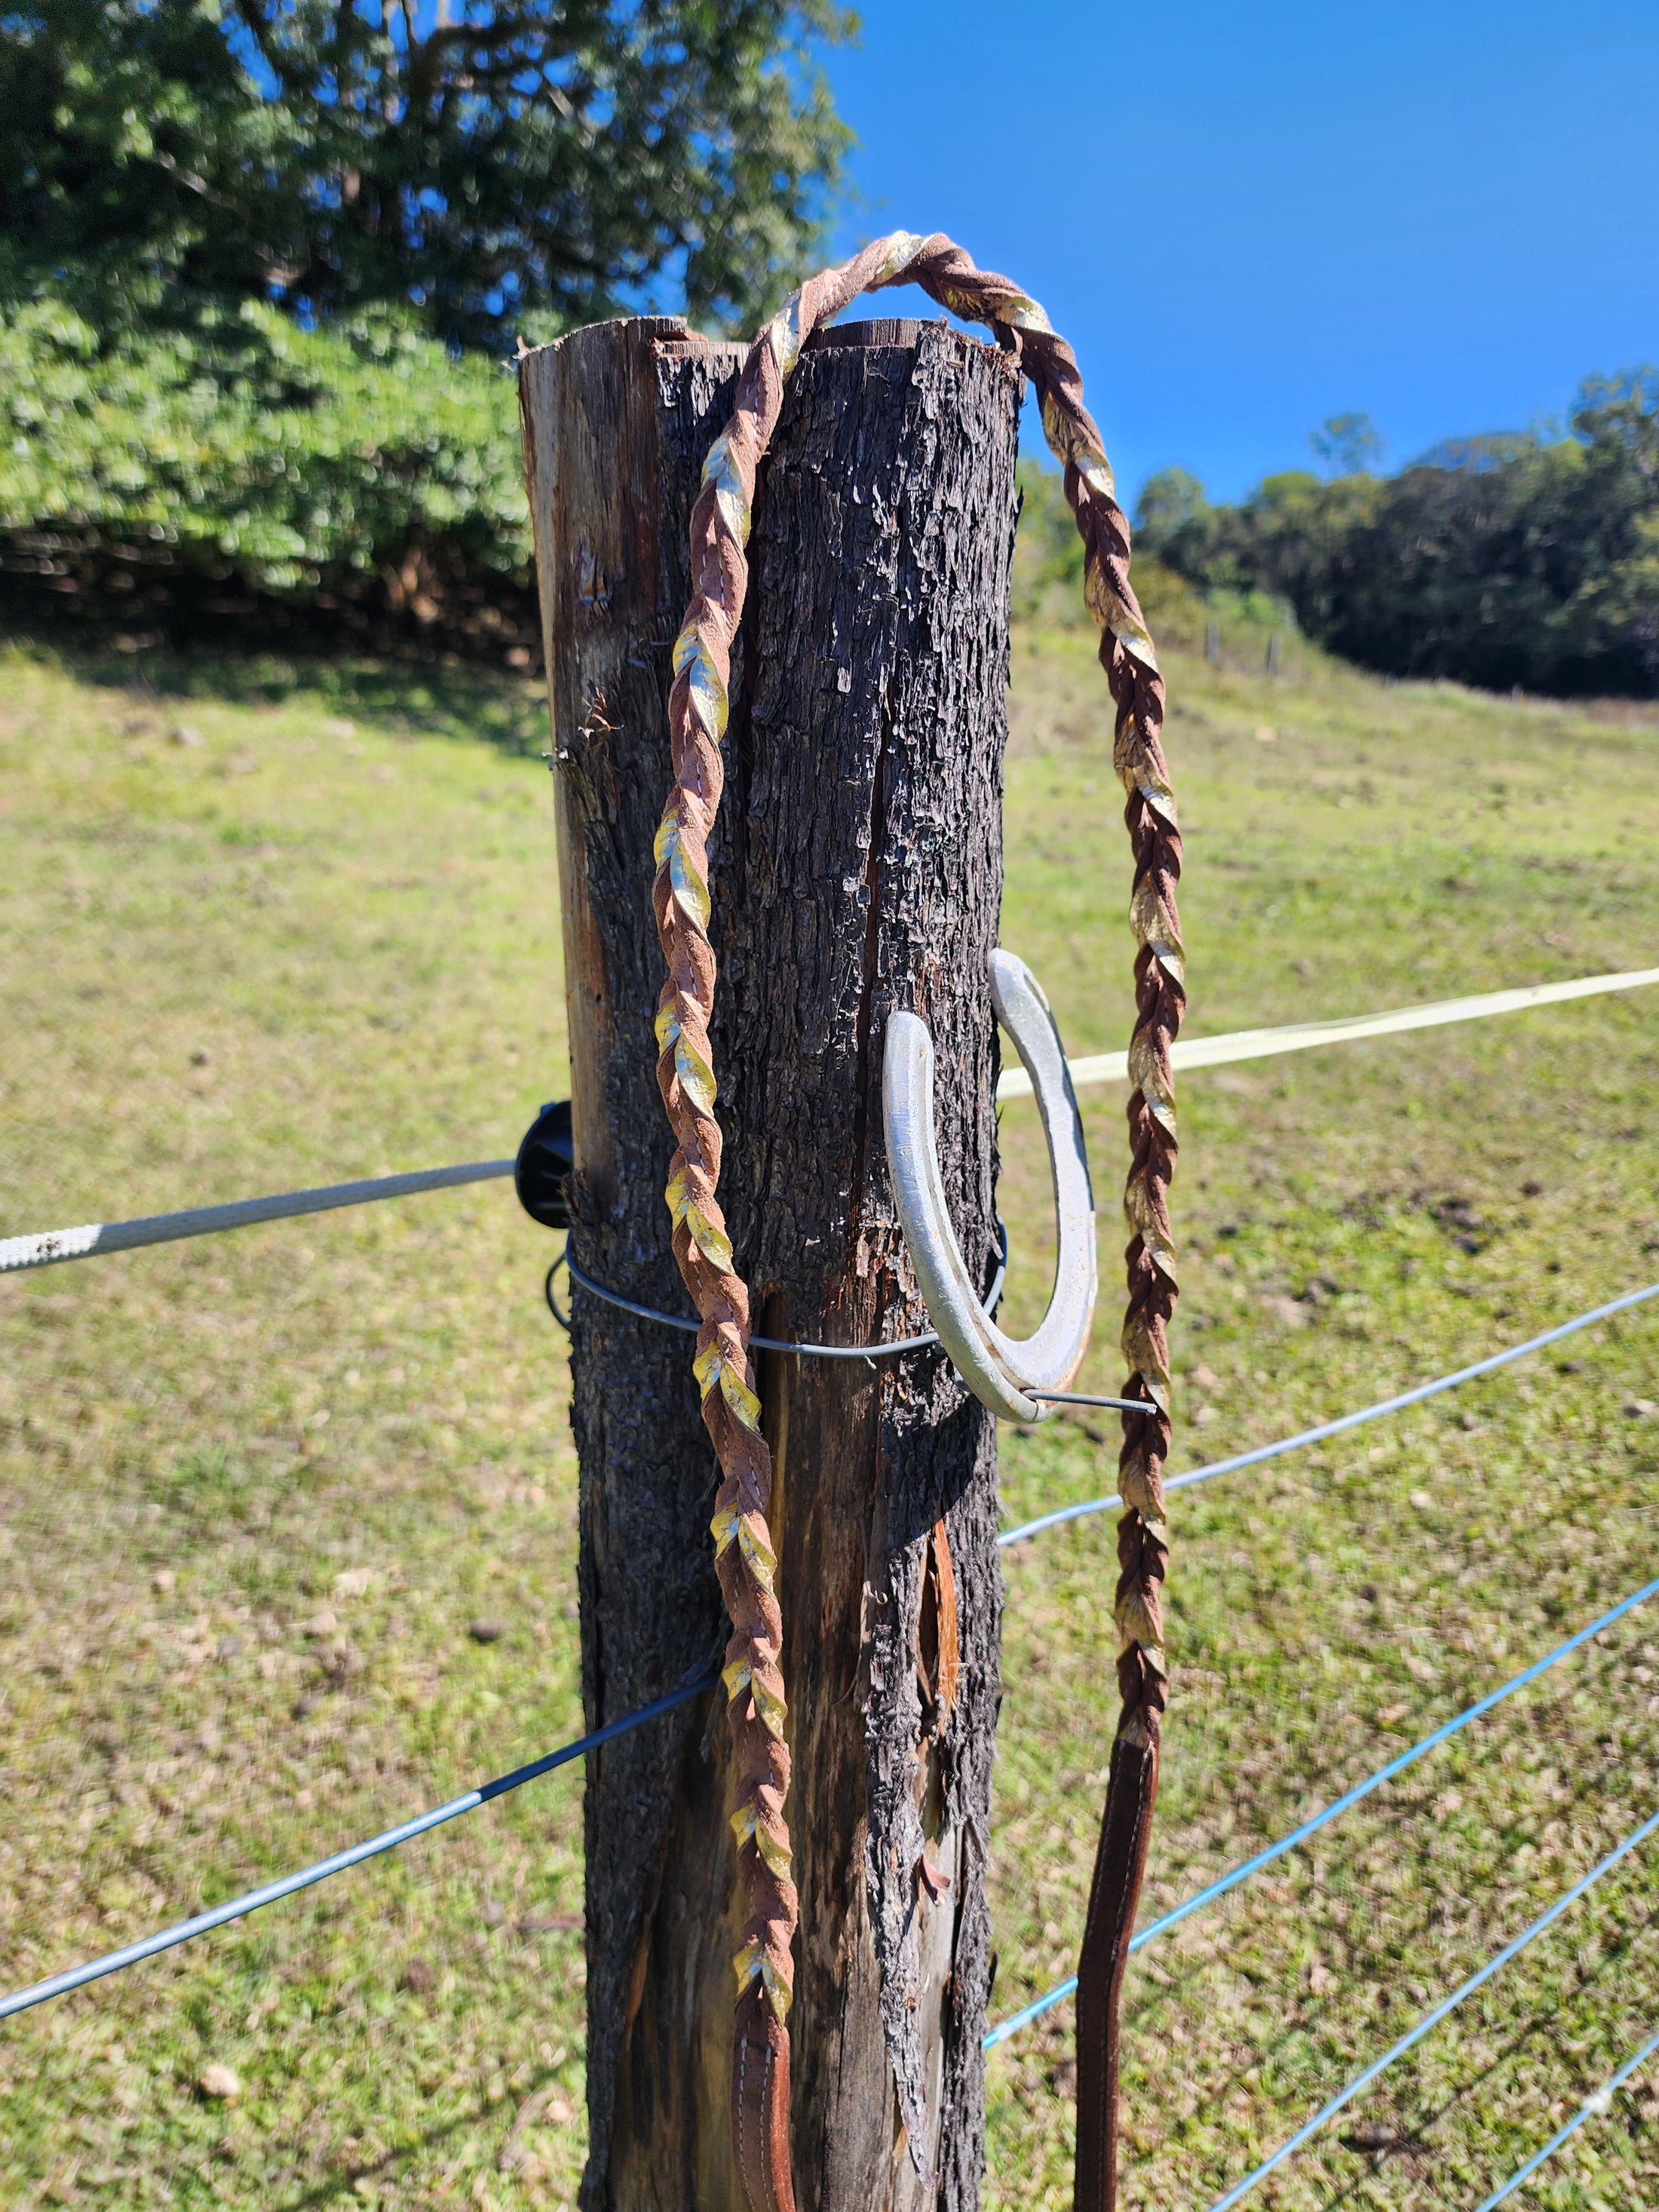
(1517, 558)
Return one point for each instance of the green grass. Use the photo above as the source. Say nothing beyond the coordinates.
(355, 924)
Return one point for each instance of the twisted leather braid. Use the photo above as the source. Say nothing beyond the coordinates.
(697, 709)
(1143, 1547)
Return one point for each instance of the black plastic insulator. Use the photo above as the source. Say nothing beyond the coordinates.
(541, 1174)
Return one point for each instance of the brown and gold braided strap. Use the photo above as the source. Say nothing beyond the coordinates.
(743, 1556)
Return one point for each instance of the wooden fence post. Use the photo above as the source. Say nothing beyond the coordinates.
(856, 869)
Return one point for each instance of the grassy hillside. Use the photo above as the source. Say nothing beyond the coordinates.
(263, 929)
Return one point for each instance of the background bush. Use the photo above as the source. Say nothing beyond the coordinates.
(239, 444)
(259, 266)
(1047, 584)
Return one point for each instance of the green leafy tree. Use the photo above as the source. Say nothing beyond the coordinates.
(254, 255)
(1347, 445)
(241, 446)
(500, 164)
(1174, 521)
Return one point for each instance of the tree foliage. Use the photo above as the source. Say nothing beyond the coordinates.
(1346, 445)
(499, 163)
(241, 446)
(255, 254)
(1048, 561)
(1498, 561)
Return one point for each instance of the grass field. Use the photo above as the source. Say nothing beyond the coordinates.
(266, 926)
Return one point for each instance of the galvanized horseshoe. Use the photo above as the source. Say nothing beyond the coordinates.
(1001, 1371)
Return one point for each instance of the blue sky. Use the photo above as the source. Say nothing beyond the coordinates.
(1249, 218)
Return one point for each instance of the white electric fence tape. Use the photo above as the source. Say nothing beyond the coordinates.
(55, 1244)
(1304, 1036)
(49, 1245)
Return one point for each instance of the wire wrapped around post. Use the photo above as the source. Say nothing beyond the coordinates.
(697, 710)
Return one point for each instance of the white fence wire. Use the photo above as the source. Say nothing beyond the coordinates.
(47, 1248)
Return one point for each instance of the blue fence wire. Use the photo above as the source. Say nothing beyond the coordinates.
(1345, 1421)
(272, 1893)
(306, 1877)
(1593, 2108)
(1432, 2018)
(113, 1963)
(1333, 1811)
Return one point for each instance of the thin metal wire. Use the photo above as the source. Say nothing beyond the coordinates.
(1432, 2018)
(1289, 1842)
(1078, 1398)
(772, 1343)
(1593, 2108)
(113, 1962)
(1347, 1420)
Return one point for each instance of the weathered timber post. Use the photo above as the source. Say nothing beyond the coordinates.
(856, 869)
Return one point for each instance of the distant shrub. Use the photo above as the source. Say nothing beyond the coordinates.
(1048, 583)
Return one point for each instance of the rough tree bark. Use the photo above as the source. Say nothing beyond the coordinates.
(856, 868)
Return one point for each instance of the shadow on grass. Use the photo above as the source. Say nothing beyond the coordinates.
(1381, 1963)
(408, 692)
(1546, 2021)
(1390, 1815)
(1413, 2135)
(1390, 1818)
(1411, 2148)
(343, 2185)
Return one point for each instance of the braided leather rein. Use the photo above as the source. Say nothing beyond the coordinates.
(745, 1561)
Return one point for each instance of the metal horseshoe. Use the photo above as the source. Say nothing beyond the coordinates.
(1001, 1370)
